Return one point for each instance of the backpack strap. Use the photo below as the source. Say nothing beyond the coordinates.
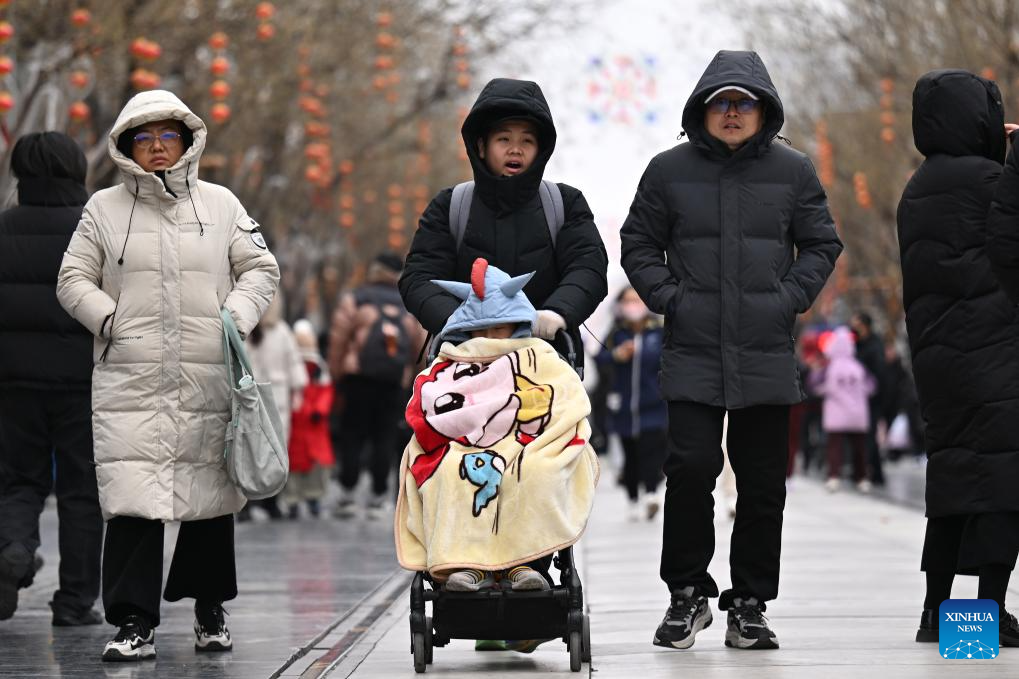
(552, 204)
(460, 211)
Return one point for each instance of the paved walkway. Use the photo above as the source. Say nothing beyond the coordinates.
(324, 598)
(850, 601)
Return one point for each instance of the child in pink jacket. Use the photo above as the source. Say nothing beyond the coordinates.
(845, 387)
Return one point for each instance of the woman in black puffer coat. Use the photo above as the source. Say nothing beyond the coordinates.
(964, 337)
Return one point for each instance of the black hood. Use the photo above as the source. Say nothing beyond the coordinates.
(745, 69)
(957, 113)
(502, 98)
(50, 168)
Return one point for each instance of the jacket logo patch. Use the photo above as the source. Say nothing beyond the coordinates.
(258, 240)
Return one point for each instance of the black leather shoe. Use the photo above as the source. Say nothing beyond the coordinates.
(64, 617)
(1008, 629)
(928, 632)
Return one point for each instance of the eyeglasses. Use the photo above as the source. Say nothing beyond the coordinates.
(144, 140)
(721, 105)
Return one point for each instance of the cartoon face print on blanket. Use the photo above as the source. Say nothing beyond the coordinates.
(477, 405)
(499, 470)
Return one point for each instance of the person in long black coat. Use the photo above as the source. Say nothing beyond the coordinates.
(507, 226)
(964, 337)
(729, 236)
(45, 384)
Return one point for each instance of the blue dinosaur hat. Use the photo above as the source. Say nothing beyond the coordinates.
(491, 298)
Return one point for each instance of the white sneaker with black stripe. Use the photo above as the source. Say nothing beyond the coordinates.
(211, 634)
(688, 614)
(134, 641)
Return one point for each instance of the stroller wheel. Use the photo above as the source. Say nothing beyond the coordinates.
(585, 640)
(428, 641)
(575, 651)
(418, 644)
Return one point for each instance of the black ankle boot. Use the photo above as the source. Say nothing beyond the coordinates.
(928, 631)
(1008, 629)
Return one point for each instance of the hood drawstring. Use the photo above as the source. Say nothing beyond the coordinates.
(783, 139)
(120, 262)
(680, 135)
(187, 183)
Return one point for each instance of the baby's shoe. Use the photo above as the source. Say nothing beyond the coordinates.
(653, 504)
(470, 580)
(524, 578)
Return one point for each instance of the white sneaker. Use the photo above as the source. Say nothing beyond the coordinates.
(135, 641)
(654, 504)
(211, 633)
(633, 513)
(346, 505)
(730, 505)
(832, 485)
(378, 507)
(864, 486)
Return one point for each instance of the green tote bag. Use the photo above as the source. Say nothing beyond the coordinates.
(256, 454)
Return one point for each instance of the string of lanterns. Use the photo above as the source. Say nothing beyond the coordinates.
(219, 67)
(6, 63)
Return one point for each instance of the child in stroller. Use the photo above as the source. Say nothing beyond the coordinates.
(499, 475)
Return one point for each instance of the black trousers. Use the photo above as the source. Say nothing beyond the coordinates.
(643, 456)
(758, 442)
(202, 568)
(37, 429)
(371, 415)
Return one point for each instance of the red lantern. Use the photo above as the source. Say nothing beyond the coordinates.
(345, 167)
(220, 89)
(392, 97)
(887, 85)
(316, 151)
(346, 202)
(6, 102)
(383, 62)
(81, 17)
(887, 135)
(459, 49)
(380, 82)
(220, 112)
(6, 65)
(146, 49)
(397, 223)
(79, 111)
(384, 19)
(395, 208)
(313, 174)
(987, 73)
(265, 10)
(463, 81)
(6, 31)
(266, 32)
(219, 40)
(219, 66)
(887, 118)
(394, 191)
(143, 79)
(396, 241)
(385, 40)
(79, 79)
(347, 220)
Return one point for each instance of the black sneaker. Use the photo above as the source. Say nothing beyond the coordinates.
(688, 614)
(1008, 629)
(17, 567)
(748, 628)
(64, 616)
(928, 631)
(134, 641)
(211, 633)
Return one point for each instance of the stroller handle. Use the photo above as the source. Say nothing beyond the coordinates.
(561, 335)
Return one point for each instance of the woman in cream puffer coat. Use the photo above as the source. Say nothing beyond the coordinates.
(151, 264)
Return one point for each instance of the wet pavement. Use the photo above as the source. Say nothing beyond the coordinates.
(299, 581)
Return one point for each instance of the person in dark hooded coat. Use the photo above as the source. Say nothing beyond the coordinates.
(45, 384)
(964, 337)
(507, 227)
(729, 237)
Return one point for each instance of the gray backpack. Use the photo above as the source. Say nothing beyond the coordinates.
(460, 209)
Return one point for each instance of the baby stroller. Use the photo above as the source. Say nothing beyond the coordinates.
(503, 614)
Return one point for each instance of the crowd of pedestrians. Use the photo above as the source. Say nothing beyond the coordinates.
(113, 395)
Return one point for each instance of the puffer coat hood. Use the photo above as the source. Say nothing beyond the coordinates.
(500, 99)
(958, 113)
(150, 265)
(747, 70)
(963, 329)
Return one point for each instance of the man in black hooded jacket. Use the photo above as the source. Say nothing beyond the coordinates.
(507, 226)
(45, 384)
(729, 236)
